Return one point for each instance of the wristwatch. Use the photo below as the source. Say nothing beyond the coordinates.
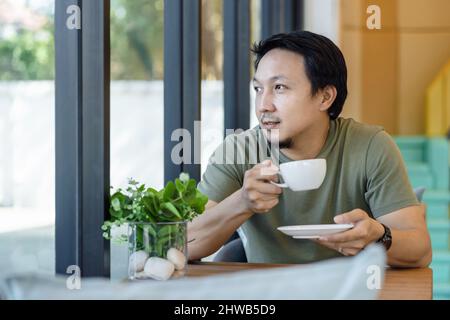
(386, 239)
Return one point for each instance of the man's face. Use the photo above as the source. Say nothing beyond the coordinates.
(283, 96)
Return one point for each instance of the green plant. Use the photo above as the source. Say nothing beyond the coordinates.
(178, 201)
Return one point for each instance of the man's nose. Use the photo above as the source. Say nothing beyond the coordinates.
(265, 103)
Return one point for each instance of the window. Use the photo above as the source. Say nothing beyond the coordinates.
(212, 79)
(137, 97)
(27, 196)
(137, 102)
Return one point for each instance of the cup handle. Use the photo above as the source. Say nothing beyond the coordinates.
(281, 185)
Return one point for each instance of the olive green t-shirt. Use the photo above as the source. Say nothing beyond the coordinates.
(365, 170)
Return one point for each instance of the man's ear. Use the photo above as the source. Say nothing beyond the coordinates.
(327, 96)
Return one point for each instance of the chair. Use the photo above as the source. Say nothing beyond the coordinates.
(233, 250)
(419, 191)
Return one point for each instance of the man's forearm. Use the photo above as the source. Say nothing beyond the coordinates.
(209, 231)
(410, 248)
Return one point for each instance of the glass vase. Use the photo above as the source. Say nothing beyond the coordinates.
(157, 250)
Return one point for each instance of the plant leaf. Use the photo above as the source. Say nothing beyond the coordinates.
(151, 191)
(180, 186)
(169, 191)
(171, 208)
(149, 203)
(164, 231)
(179, 200)
(141, 188)
(151, 230)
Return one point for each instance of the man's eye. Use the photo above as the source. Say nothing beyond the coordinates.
(279, 87)
(257, 89)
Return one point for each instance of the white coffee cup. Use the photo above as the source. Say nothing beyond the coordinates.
(302, 175)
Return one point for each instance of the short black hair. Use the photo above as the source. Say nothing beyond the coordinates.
(324, 62)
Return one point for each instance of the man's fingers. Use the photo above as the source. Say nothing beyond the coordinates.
(350, 251)
(266, 170)
(266, 205)
(354, 245)
(267, 176)
(269, 198)
(346, 236)
(350, 248)
(325, 244)
(351, 217)
(257, 196)
(267, 188)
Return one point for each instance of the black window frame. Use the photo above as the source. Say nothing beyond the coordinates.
(82, 108)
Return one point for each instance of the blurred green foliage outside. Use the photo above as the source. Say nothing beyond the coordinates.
(137, 41)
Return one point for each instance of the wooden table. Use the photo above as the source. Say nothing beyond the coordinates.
(399, 284)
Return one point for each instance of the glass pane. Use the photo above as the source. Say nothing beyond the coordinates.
(137, 92)
(137, 101)
(27, 152)
(212, 79)
(255, 36)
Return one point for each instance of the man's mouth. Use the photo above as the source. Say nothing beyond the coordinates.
(270, 124)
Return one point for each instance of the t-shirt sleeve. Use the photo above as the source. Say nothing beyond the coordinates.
(222, 176)
(388, 185)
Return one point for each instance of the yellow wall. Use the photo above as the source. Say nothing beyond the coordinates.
(390, 69)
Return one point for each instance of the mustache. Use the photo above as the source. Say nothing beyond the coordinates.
(265, 117)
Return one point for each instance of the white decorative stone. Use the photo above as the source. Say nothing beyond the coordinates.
(137, 261)
(178, 274)
(140, 275)
(177, 258)
(159, 268)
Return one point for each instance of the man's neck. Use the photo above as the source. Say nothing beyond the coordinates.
(309, 144)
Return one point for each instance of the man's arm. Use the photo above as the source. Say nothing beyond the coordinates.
(387, 186)
(411, 245)
(209, 231)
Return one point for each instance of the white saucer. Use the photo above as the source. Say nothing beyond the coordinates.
(313, 231)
